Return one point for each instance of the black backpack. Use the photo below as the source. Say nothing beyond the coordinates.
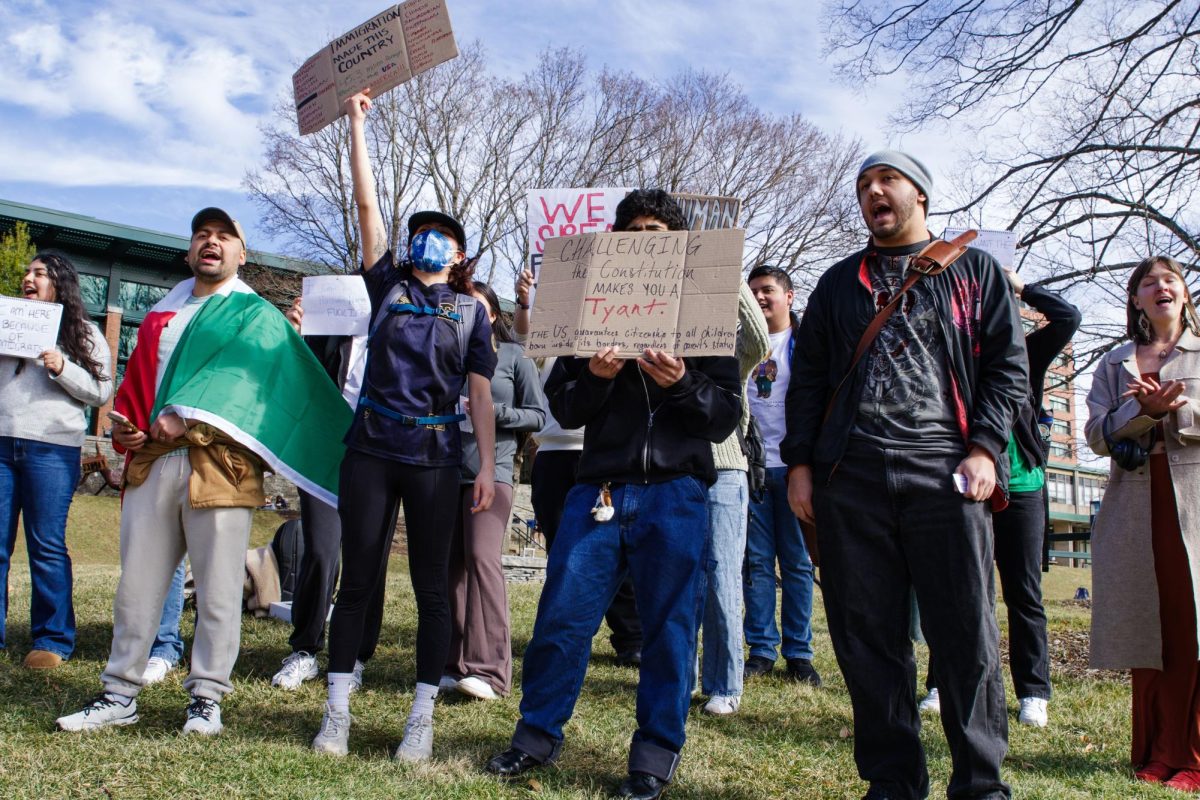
(756, 456)
(288, 546)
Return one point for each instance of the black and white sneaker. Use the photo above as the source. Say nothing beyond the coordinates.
(106, 710)
(203, 717)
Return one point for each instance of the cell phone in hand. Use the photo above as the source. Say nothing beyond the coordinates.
(125, 422)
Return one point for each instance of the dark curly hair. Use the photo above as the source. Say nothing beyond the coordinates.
(649, 203)
(781, 277)
(75, 331)
(500, 327)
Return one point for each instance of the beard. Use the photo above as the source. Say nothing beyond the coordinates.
(902, 214)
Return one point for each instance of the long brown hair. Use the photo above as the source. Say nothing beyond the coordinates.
(1134, 316)
(75, 332)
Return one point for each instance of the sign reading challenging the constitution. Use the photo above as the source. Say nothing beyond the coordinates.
(380, 54)
(674, 291)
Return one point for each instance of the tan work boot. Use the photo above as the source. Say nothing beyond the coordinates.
(42, 659)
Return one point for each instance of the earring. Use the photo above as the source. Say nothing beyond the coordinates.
(1143, 326)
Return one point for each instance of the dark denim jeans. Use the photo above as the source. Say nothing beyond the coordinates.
(890, 522)
(773, 534)
(659, 536)
(37, 482)
(168, 644)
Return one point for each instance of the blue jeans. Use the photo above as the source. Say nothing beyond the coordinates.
(168, 644)
(658, 536)
(722, 660)
(37, 482)
(773, 533)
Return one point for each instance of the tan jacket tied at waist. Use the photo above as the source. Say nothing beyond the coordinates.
(224, 474)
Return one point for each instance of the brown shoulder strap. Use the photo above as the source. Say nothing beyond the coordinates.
(933, 259)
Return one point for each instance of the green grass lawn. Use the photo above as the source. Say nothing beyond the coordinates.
(788, 741)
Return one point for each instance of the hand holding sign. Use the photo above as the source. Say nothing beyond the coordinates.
(28, 328)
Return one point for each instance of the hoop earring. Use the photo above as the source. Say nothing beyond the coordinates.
(1143, 326)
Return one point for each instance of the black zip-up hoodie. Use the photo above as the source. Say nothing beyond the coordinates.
(984, 343)
(637, 432)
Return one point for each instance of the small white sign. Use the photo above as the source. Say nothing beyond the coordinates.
(28, 328)
(335, 305)
(1000, 245)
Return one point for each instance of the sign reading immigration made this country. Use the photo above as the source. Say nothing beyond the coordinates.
(380, 54)
(28, 328)
(674, 291)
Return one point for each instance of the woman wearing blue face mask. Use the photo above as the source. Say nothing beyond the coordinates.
(430, 342)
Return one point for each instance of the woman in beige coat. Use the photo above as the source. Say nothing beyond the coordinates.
(1145, 396)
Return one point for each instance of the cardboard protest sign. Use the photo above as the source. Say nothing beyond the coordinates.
(566, 212)
(707, 212)
(28, 328)
(1000, 245)
(335, 305)
(380, 54)
(673, 290)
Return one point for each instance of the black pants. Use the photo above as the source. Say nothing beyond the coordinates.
(552, 476)
(889, 522)
(322, 531)
(1018, 545)
(369, 495)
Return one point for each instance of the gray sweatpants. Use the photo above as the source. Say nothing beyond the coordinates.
(157, 527)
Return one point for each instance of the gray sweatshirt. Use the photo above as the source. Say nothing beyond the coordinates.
(517, 396)
(36, 405)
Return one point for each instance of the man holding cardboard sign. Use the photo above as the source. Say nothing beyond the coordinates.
(639, 506)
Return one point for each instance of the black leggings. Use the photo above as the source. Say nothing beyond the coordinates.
(370, 491)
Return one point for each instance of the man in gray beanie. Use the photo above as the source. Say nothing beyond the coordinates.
(920, 427)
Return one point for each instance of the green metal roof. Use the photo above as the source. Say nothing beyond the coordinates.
(51, 228)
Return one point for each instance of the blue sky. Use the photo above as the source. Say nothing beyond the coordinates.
(142, 116)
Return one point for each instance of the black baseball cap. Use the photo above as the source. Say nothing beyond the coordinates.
(438, 218)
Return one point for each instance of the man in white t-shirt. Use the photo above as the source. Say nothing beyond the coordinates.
(773, 532)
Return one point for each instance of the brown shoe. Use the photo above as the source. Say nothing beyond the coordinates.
(42, 659)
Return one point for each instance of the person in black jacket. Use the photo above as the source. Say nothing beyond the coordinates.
(1020, 528)
(894, 475)
(639, 506)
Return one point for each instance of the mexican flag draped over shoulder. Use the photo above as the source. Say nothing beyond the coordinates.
(241, 367)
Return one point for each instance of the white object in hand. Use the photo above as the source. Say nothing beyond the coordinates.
(960, 483)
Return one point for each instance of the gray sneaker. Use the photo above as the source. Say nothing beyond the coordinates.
(203, 717)
(418, 739)
(356, 676)
(334, 736)
(103, 712)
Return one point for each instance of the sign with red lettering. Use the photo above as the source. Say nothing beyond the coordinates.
(380, 54)
(675, 291)
(568, 212)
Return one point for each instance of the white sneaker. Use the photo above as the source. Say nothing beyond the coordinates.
(478, 688)
(156, 670)
(203, 717)
(297, 668)
(447, 684)
(106, 710)
(334, 736)
(722, 705)
(1034, 712)
(417, 744)
(932, 704)
(356, 676)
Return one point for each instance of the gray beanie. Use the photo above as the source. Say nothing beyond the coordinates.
(905, 164)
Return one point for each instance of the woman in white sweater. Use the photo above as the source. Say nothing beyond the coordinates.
(42, 427)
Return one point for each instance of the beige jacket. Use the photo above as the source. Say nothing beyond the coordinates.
(1126, 632)
(224, 474)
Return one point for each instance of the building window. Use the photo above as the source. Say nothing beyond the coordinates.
(1061, 427)
(1059, 487)
(1058, 403)
(1090, 489)
(94, 289)
(1060, 449)
(138, 298)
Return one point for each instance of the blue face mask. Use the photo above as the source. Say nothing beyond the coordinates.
(431, 251)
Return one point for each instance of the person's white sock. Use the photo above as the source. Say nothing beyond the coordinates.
(339, 691)
(423, 703)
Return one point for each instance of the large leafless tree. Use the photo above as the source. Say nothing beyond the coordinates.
(1085, 115)
(463, 140)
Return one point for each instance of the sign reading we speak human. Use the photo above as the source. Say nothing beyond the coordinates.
(380, 54)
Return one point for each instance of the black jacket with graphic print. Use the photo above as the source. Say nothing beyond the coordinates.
(984, 343)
